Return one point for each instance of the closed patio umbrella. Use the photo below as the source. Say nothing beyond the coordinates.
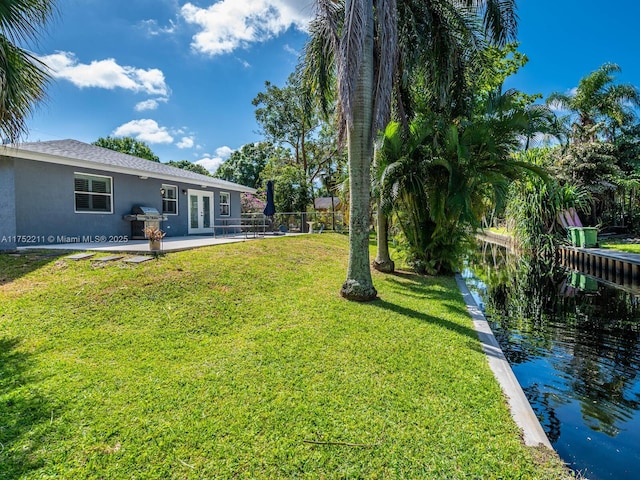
(270, 207)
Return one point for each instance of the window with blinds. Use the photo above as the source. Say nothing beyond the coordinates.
(93, 193)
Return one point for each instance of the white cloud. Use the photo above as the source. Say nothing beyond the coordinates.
(145, 130)
(105, 74)
(152, 28)
(151, 104)
(186, 142)
(230, 24)
(224, 152)
(291, 50)
(212, 163)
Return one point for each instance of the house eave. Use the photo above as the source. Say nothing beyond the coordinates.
(18, 153)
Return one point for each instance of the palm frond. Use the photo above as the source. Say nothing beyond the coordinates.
(21, 21)
(350, 52)
(23, 81)
(386, 46)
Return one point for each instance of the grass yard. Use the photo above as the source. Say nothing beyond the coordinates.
(242, 361)
(622, 246)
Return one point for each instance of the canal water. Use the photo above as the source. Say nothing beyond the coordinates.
(574, 346)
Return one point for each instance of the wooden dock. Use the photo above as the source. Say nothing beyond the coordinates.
(612, 266)
(497, 239)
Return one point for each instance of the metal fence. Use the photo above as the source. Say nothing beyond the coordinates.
(303, 222)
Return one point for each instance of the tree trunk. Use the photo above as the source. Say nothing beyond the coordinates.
(359, 284)
(383, 262)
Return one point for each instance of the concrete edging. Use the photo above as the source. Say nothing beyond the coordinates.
(521, 411)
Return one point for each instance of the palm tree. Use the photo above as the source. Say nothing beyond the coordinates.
(360, 39)
(23, 77)
(598, 105)
(445, 175)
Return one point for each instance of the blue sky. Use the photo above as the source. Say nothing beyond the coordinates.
(181, 75)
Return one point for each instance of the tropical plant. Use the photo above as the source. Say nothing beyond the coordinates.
(444, 176)
(23, 78)
(129, 146)
(599, 108)
(535, 203)
(482, 72)
(361, 40)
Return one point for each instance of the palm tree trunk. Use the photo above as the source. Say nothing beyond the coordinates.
(359, 284)
(383, 262)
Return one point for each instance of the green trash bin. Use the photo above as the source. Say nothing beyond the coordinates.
(575, 237)
(588, 237)
(588, 284)
(574, 280)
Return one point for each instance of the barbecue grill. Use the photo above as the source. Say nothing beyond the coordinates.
(142, 217)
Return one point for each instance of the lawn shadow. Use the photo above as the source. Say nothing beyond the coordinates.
(22, 410)
(423, 317)
(17, 264)
(420, 287)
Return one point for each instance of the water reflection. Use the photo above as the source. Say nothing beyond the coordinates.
(574, 345)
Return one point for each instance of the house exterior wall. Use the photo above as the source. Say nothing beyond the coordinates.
(7, 205)
(44, 210)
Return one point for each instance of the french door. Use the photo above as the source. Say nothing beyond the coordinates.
(200, 212)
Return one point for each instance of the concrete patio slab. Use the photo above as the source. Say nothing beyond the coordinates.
(138, 259)
(169, 244)
(80, 256)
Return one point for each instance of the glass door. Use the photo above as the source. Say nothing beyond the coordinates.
(200, 212)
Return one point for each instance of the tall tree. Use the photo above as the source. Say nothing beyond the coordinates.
(128, 145)
(599, 107)
(187, 165)
(23, 78)
(347, 31)
(286, 117)
(361, 37)
(244, 166)
(289, 118)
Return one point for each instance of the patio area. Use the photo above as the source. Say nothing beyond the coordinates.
(169, 244)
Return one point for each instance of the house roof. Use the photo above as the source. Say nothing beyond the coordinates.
(84, 155)
(324, 203)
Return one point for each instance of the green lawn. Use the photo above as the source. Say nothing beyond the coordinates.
(622, 246)
(242, 361)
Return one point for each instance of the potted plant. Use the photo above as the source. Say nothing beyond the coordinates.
(154, 234)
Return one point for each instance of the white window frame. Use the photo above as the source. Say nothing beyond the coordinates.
(109, 195)
(223, 204)
(166, 188)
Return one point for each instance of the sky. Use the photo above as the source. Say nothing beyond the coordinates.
(181, 75)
